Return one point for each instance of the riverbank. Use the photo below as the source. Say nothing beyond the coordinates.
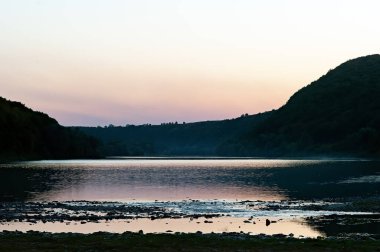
(37, 241)
(299, 219)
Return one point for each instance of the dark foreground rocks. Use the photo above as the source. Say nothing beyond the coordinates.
(36, 241)
(85, 211)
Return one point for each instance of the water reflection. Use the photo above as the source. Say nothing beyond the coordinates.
(217, 225)
(182, 179)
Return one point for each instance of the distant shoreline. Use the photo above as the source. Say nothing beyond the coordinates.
(237, 158)
(311, 158)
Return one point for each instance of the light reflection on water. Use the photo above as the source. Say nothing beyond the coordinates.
(220, 184)
(149, 180)
(216, 225)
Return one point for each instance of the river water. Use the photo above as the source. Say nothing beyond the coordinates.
(236, 189)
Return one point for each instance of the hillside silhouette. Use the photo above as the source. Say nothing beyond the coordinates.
(336, 115)
(171, 139)
(26, 134)
(339, 114)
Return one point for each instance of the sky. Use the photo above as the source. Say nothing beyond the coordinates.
(91, 62)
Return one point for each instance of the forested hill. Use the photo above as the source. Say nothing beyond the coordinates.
(26, 134)
(172, 139)
(339, 114)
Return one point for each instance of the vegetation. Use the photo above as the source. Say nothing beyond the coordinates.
(339, 114)
(34, 241)
(26, 134)
(171, 139)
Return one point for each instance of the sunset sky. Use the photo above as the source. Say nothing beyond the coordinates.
(88, 62)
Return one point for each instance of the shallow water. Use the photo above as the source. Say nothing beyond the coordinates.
(287, 192)
(216, 225)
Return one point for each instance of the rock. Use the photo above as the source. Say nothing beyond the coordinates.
(267, 222)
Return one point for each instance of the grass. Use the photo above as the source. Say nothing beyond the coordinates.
(16, 241)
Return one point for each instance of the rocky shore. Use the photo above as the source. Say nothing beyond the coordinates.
(330, 218)
(94, 211)
(37, 241)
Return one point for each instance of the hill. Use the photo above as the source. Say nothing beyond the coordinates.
(339, 114)
(336, 115)
(26, 134)
(171, 139)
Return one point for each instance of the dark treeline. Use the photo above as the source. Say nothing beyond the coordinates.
(26, 134)
(337, 115)
(171, 139)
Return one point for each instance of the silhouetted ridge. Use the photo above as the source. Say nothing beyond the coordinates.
(26, 134)
(339, 114)
(171, 139)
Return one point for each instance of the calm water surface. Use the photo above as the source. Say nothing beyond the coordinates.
(162, 179)
(238, 189)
